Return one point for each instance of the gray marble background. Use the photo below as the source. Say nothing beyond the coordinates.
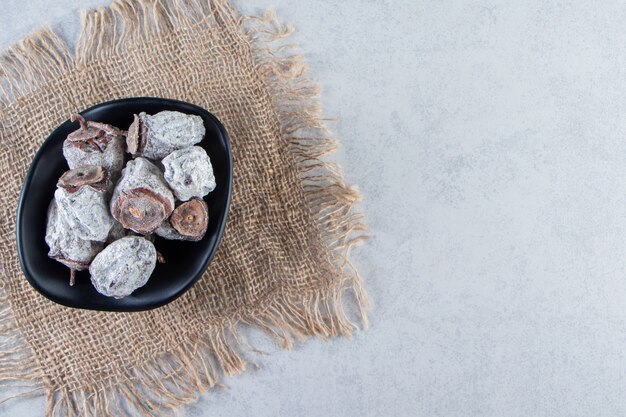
(488, 139)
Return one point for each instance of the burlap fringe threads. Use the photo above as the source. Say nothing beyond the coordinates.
(179, 377)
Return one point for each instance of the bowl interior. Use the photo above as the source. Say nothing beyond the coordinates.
(185, 261)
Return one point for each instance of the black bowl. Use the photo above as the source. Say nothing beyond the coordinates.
(185, 261)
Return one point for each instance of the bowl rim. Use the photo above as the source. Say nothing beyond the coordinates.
(220, 232)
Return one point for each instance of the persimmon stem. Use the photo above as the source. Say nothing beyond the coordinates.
(83, 123)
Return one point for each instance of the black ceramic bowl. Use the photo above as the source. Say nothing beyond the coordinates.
(185, 261)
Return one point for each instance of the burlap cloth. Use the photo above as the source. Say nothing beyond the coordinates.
(282, 265)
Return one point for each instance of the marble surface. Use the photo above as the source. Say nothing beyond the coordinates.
(487, 138)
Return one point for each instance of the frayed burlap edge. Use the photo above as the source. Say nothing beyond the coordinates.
(178, 377)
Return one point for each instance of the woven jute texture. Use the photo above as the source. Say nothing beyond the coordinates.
(282, 266)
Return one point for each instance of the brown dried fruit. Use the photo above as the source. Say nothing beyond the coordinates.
(134, 136)
(86, 175)
(123, 266)
(141, 200)
(140, 210)
(65, 246)
(189, 173)
(106, 128)
(156, 136)
(90, 124)
(85, 132)
(82, 202)
(95, 143)
(191, 219)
